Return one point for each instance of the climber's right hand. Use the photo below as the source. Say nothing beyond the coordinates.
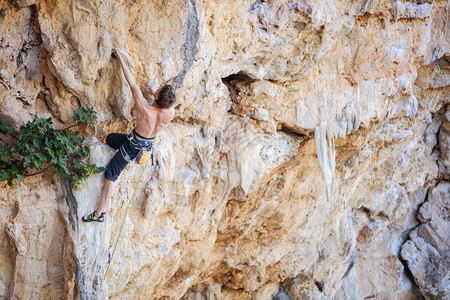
(118, 53)
(151, 87)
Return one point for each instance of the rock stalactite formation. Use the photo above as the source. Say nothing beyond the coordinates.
(325, 134)
(308, 157)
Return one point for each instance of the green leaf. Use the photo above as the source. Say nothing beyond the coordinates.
(20, 178)
(87, 115)
(4, 175)
(6, 127)
(41, 157)
(76, 178)
(49, 152)
(77, 165)
(27, 162)
(97, 169)
(5, 152)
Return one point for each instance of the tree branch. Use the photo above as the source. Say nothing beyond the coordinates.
(41, 171)
(68, 127)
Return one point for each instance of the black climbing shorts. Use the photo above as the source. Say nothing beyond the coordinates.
(127, 152)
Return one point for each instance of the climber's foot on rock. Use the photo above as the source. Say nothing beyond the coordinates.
(93, 218)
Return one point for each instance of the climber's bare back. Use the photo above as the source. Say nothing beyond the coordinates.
(151, 119)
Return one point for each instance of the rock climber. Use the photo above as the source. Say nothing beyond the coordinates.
(150, 119)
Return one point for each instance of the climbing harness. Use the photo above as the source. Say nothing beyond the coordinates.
(145, 147)
(437, 68)
(130, 201)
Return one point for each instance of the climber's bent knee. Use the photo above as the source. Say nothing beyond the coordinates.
(115, 140)
(115, 167)
(119, 162)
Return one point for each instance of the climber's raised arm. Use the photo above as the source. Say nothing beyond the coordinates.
(135, 90)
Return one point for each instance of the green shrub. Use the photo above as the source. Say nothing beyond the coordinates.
(37, 147)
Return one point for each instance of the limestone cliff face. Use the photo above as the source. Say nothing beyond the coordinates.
(307, 136)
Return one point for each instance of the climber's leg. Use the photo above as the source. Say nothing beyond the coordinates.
(113, 169)
(120, 160)
(108, 188)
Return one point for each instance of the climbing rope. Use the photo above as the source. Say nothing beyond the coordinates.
(130, 201)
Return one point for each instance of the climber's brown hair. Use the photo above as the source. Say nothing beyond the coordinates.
(166, 96)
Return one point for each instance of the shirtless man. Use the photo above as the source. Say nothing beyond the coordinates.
(150, 120)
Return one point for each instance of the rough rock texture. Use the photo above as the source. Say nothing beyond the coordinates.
(428, 250)
(444, 145)
(307, 136)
